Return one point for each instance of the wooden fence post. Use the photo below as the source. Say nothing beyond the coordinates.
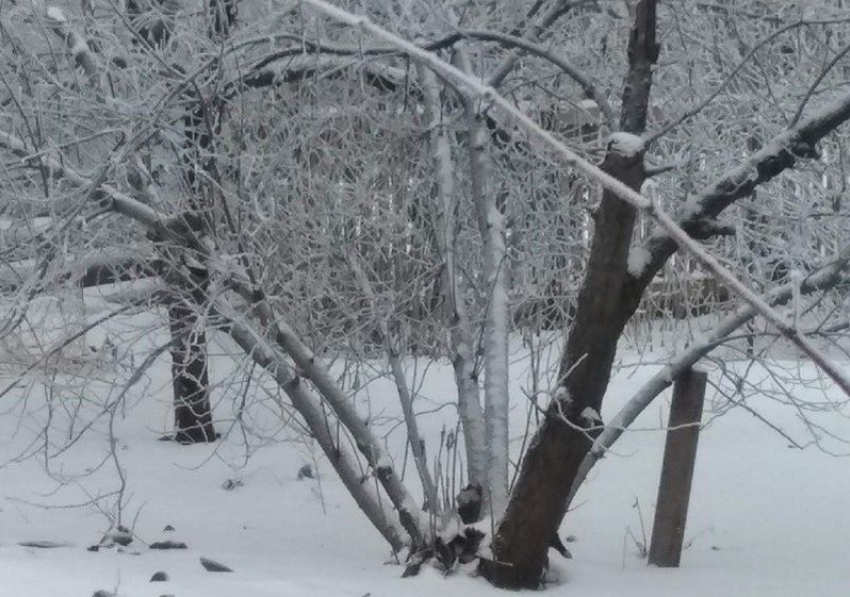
(677, 472)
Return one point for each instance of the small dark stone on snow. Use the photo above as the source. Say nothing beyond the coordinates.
(168, 545)
(122, 537)
(231, 484)
(167, 595)
(102, 593)
(159, 577)
(93, 548)
(305, 472)
(213, 566)
(168, 528)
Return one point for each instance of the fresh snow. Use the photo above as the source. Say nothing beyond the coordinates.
(764, 521)
(625, 144)
(591, 415)
(56, 14)
(639, 259)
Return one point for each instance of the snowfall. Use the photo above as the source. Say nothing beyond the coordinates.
(766, 519)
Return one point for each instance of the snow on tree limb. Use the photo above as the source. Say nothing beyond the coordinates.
(776, 157)
(823, 279)
(159, 224)
(77, 44)
(781, 153)
(309, 406)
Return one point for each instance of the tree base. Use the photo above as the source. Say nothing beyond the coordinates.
(506, 576)
(196, 436)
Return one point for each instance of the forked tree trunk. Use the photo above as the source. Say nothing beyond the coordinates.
(552, 462)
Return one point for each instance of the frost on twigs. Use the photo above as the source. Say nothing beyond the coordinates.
(625, 144)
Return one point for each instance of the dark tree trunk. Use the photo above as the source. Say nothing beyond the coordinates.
(534, 512)
(192, 408)
(536, 507)
(190, 378)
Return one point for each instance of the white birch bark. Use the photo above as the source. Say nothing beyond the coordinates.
(417, 445)
(307, 404)
(460, 328)
(796, 141)
(492, 226)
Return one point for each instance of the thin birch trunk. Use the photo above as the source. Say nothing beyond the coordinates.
(417, 444)
(492, 226)
(310, 367)
(461, 338)
(307, 404)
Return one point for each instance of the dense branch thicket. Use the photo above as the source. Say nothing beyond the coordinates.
(324, 195)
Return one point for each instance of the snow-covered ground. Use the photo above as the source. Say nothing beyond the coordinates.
(765, 520)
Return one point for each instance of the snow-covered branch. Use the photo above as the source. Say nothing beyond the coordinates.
(309, 407)
(775, 158)
(825, 278)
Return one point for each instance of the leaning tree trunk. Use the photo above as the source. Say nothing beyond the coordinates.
(535, 509)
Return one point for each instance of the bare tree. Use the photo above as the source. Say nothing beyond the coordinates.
(402, 186)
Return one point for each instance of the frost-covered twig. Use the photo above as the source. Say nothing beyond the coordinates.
(823, 279)
(787, 148)
(77, 44)
(417, 445)
(309, 406)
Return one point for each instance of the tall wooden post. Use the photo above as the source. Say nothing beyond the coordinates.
(677, 472)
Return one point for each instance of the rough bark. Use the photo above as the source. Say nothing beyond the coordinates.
(190, 378)
(561, 443)
(822, 280)
(677, 472)
(192, 409)
(190, 373)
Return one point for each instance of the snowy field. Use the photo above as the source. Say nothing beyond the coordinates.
(766, 520)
